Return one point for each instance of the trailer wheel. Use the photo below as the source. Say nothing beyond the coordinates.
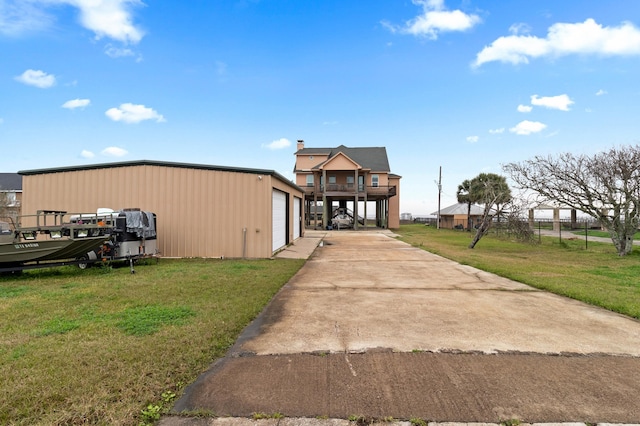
(83, 262)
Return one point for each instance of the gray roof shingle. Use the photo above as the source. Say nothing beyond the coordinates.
(374, 158)
(10, 182)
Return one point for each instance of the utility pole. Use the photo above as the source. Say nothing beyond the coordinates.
(439, 195)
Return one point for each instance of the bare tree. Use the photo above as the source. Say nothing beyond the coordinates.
(492, 191)
(516, 225)
(606, 186)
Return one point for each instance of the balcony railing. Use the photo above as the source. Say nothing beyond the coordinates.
(350, 189)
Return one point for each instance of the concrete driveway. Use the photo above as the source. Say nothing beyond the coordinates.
(371, 326)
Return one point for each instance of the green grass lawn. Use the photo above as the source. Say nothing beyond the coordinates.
(596, 275)
(102, 345)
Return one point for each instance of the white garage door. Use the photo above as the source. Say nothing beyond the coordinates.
(279, 215)
(297, 202)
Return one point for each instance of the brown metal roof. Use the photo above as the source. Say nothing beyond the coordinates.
(160, 164)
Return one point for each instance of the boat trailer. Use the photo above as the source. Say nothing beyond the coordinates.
(53, 238)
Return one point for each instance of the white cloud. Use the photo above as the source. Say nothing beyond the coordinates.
(473, 139)
(524, 108)
(76, 103)
(601, 92)
(278, 144)
(434, 20)
(519, 28)
(105, 18)
(561, 102)
(563, 39)
(87, 154)
(37, 78)
(496, 131)
(114, 151)
(117, 52)
(130, 113)
(221, 68)
(108, 18)
(18, 17)
(527, 127)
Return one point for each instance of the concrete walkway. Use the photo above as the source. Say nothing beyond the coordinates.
(373, 327)
(575, 235)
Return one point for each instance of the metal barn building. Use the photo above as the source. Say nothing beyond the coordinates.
(202, 210)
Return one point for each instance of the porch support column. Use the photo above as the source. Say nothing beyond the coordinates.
(315, 209)
(365, 211)
(386, 213)
(366, 200)
(355, 203)
(325, 208)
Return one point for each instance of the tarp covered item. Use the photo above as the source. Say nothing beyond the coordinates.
(141, 223)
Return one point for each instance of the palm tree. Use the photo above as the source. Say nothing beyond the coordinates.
(490, 190)
(464, 195)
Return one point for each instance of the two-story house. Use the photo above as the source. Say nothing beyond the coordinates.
(351, 181)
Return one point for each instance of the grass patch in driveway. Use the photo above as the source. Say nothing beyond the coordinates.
(99, 346)
(596, 275)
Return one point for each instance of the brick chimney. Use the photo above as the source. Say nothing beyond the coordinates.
(300, 144)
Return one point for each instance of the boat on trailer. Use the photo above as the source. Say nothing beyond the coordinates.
(49, 236)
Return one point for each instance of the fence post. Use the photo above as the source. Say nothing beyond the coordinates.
(560, 232)
(539, 233)
(586, 236)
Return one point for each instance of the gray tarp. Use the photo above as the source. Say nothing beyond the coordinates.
(141, 223)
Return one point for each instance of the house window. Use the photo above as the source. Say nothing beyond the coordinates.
(332, 180)
(309, 180)
(349, 181)
(9, 198)
(374, 180)
(360, 183)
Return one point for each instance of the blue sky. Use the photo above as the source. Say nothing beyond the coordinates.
(463, 85)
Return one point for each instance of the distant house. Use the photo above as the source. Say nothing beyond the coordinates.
(348, 180)
(455, 216)
(10, 194)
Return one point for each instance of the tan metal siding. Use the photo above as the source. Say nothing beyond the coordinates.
(201, 213)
